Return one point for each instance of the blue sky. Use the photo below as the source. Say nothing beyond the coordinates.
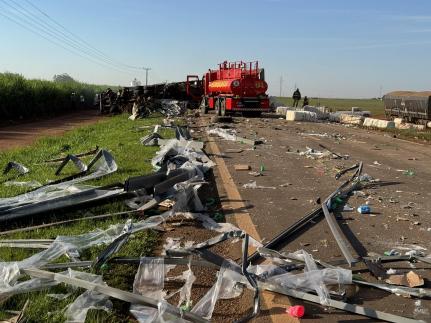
(328, 48)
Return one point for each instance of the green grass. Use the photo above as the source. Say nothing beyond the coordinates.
(375, 106)
(21, 98)
(120, 136)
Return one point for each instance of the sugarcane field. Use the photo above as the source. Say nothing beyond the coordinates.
(230, 161)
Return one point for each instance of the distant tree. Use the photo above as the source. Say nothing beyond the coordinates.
(63, 78)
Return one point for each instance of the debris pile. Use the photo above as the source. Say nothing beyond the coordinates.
(180, 168)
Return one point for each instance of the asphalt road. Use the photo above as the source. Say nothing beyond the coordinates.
(400, 203)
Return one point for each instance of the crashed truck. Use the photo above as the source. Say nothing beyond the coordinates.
(414, 107)
(233, 87)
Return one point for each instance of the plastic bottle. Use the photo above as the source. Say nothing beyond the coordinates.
(364, 209)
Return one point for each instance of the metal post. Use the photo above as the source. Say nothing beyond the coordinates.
(146, 74)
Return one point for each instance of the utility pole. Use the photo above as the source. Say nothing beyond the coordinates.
(146, 74)
(281, 85)
(381, 90)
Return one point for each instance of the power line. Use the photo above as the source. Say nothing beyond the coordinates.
(77, 37)
(29, 20)
(53, 42)
(32, 23)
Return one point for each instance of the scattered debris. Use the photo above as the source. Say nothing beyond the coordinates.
(179, 171)
(21, 169)
(88, 153)
(242, 167)
(254, 185)
(30, 184)
(296, 311)
(411, 279)
(255, 174)
(230, 134)
(409, 172)
(364, 209)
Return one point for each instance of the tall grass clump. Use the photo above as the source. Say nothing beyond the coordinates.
(22, 98)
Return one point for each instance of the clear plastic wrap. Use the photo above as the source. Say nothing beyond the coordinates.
(149, 281)
(77, 311)
(186, 290)
(150, 278)
(226, 287)
(186, 195)
(227, 134)
(103, 166)
(313, 278)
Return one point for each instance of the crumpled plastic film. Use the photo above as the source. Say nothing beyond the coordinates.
(220, 227)
(314, 278)
(36, 284)
(265, 271)
(31, 285)
(228, 134)
(186, 290)
(9, 271)
(139, 200)
(144, 314)
(226, 287)
(150, 278)
(72, 195)
(77, 311)
(182, 151)
(9, 274)
(186, 194)
(151, 222)
(104, 166)
(149, 281)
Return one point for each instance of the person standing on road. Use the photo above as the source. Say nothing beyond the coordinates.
(305, 101)
(296, 97)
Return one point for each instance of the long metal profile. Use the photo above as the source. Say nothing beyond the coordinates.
(299, 225)
(353, 308)
(110, 291)
(335, 229)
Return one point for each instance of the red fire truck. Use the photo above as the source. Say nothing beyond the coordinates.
(235, 87)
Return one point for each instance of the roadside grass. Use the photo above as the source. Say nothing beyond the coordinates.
(409, 134)
(375, 106)
(121, 137)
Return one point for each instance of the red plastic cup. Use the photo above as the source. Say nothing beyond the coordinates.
(296, 311)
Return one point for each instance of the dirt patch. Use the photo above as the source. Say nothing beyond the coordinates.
(26, 133)
(186, 230)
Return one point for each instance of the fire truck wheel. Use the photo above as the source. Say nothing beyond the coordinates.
(217, 107)
(204, 106)
(222, 107)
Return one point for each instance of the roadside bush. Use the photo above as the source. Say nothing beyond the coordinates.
(21, 98)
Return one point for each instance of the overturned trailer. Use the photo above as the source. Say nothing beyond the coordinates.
(412, 106)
